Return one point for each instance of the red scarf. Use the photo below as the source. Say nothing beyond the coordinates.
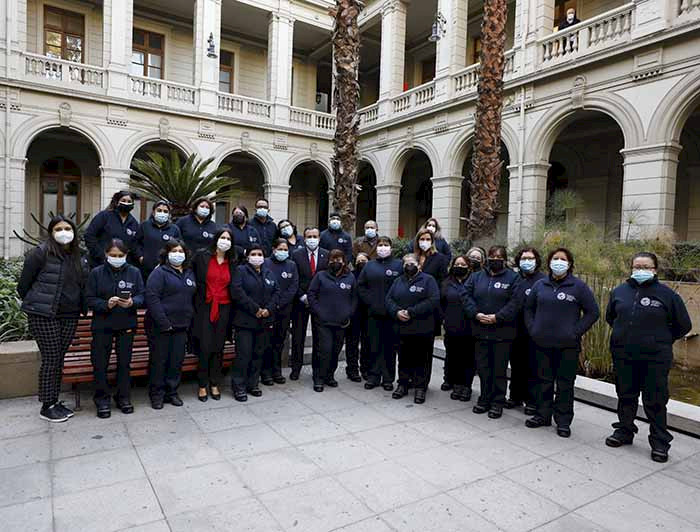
(218, 282)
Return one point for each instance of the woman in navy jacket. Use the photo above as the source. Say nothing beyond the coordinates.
(558, 312)
(522, 355)
(285, 273)
(646, 317)
(287, 230)
(441, 245)
(245, 236)
(151, 236)
(198, 228)
(412, 301)
(170, 293)
(492, 303)
(356, 340)
(459, 345)
(114, 291)
(332, 299)
(214, 269)
(256, 294)
(115, 221)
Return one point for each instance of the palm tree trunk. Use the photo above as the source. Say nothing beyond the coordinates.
(346, 57)
(486, 162)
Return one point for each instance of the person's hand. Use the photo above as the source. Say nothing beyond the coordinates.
(403, 315)
(483, 318)
(491, 318)
(125, 303)
(265, 313)
(304, 299)
(112, 302)
(259, 313)
(140, 260)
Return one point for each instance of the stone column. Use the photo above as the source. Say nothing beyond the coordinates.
(388, 197)
(117, 29)
(531, 206)
(14, 207)
(278, 198)
(451, 49)
(391, 68)
(112, 180)
(514, 199)
(447, 204)
(13, 27)
(648, 189)
(280, 39)
(543, 15)
(207, 22)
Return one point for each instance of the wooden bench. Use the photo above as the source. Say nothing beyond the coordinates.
(78, 367)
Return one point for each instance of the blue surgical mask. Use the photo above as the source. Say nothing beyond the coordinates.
(311, 243)
(559, 266)
(334, 224)
(261, 212)
(370, 233)
(161, 217)
(287, 231)
(528, 265)
(176, 258)
(116, 262)
(642, 276)
(203, 212)
(281, 255)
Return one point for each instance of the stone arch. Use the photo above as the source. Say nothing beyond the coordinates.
(136, 142)
(461, 144)
(301, 158)
(402, 154)
(266, 163)
(675, 108)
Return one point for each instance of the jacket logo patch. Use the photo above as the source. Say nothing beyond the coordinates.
(166, 237)
(645, 302)
(268, 281)
(389, 273)
(497, 285)
(561, 296)
(527, 292)
(121, 284)
(341, 241)
(344, 286)
(252, 238)
(189, 282)
(415, 288)
(286, 275)
(129, 232)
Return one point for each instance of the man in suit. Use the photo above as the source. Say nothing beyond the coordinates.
(309, 260)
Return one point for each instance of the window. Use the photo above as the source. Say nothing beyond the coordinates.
(64, 34)
(60, 188)
(226, 64)
(560, 8)
(142, 208)
(147, 54)
(476, 56)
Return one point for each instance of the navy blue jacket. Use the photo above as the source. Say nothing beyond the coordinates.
(452, 301)
(293, 247)
(287, 278)
(558, 314)
(105, 226)
(646, 319)
(267, 230)
(440, 244)
(105, 282)
(332, 299)
(246, 237)
(375, 281)
(341, 240)
(196, 235)
(253, 291)
(170, 297)
(526, 284)
(420, 296)
(498, 294)
(150, 239)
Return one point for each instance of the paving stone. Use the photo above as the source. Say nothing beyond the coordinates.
(571, 523)
(32, 516)
(359, 418)
(225, 418)
(341, 454)
(169, 427)
(331, 399)
(484, 423)
(444, 467)
(191, 450)
(246, 514)
(19, 417)
(68, 439)
(279, 409)
(373, 524)
(246, 441)
(406, 410)
(668, 494)
(396, 440)
(445, 428)
(494, 452)
(90, 471)
(24, 483)
(307, 429)
(687, 471)
(156, 526)
(25, 450)
(277, 469)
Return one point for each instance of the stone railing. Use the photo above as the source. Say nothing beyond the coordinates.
(598, 33)
(251, 108)
(415, 98)
(466, 80)
(166, 92)
(688, 10)
(311, 119)
(42, 69)
(369, 114)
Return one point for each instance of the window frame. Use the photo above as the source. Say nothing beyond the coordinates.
(61, 178)
(148, 51)
(63, 31)
(230, 68)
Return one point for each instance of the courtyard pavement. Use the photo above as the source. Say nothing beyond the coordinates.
(346, 459)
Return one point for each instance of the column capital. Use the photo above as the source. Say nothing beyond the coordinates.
(388, 188)
(274, 187)
(447, 181)
(18, 163)
(394, 5)
(278, 16)
(670, 151)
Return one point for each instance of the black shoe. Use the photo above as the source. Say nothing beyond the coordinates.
(279, 379)
(294, 375)
(125, 406)
(268, 382)
(63, 408)
(53, 414)
(495, 412)
(363, 375)
(510, 404)
(536, 422)
(332, 383)
(466, 395)
(370, 386)
(445, 386)
(529, 410)
(401, 391)
(318, 387)
(104, 411)
(455, 396)
(204, 397)
(215, 396)
(354, 377)
(388, 386)
(157, 403)
(564, 432)
(659, 456)
(255, 392)
(480, 409)
(419, 398)
(617, 440)
(241, 397)
(173, 399)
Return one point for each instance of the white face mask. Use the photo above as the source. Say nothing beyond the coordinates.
(311, 243)
(383, 251)
(256, 260)
(64, 236)
(425, 245)
(570, 17)
(161, 217)
(202, 212)
(431, 228)
(116, 262)
(176, 258)
(223, 245)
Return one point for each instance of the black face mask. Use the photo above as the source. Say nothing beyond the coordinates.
(496, 265)
(124, 208)
(410, 269)
(359, 266)
(335, 267)
(460, 271)
(475, 265)
(238, 219)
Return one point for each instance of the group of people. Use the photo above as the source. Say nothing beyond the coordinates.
(253, 280)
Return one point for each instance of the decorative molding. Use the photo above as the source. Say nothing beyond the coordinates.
(117, 116)
(280, 141)
(313, 150)
(409, 136)
(441, 123)
(207, 130)
(65, 114)
(578, 92)
(245, 141)
(15, 104)
(647, 65)
(382, 137)
(163, 128)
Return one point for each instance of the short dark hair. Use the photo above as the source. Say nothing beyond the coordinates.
(646, 255)
(286, 220)
(310, 228)
(384, 240)
(117, 243)
(254, 247)
(498, 250)
(231, 255)
(242, 208)
(262, 199)
(565, 251)
(168, 246)
(196, 203)
(538, 257)
(279, 241)
(334, 215)
(338, 253)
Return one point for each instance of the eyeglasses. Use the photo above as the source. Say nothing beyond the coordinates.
(645, 268)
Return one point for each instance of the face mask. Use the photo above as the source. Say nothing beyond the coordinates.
(176, 258)
(125, 207)
(383, 252)
(281, 255)
(460, 271)
(642, 276)
(334, 225)
(475, 265)
(256, 260)
(203, 212)
(360, 265)
(223, 245)
(496, 265)
(431, 228)
(370, 233)
(64, 236)
(261, 212)
(559, 266)
(528, 265)
(287, 231)
(410, 269)
(311, 243)
(238, 219)
(425, 245)
(335, 267)
(116, 262)
(570, 18)
(161, 217)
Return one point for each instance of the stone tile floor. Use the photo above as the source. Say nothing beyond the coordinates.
(347, 459)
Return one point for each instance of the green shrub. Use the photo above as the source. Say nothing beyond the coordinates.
(13, 322)
(399, 246)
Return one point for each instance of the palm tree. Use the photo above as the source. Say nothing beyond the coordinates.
(169, 179)
(486, 162)
(346, 56)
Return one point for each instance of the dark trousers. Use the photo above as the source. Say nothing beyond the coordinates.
(651, 378)
(210, 347)
(100, 352)
(383, 343)
(521, 371)
(300, 320)
(556, 368)
(492, 364)
(272, 362)
(462, 367)
(251, 345)
(53, 336)
(325, 358)
(166, 362)
(415, 355)
(355, 336)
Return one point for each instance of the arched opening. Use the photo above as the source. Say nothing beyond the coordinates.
(687, 207)
(142, 209)
(584, 181)
(503, 192)
(62, 175)
(251, 185)
(308, 196)
(416, 200)
(366, 196)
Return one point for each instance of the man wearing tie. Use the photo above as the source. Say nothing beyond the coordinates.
(309, 260)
